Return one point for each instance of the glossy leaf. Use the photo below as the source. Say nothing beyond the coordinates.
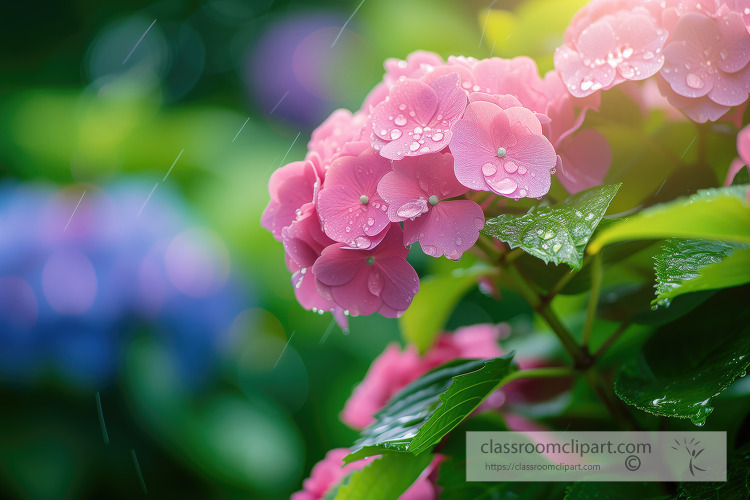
(556, 234)
(432, 306)
(423, 412)
(686, 266)
(386, 477)
(737, 484)
(685, 364)
(721, 214)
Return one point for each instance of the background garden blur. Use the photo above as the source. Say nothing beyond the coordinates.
(136, 143)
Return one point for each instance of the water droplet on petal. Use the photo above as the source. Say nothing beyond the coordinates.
(510, 167)
(478, 222)
(414, 146)
(395, 134)
(586, 85)
(400, 120)
(430, 250)
(437, 136)
(402, 107)
(626, 70)
(489, 169)
(362, 242)
(503, 186)
(648, 55)
(694, 81)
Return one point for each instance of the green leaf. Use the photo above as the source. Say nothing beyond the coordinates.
(555, 234)
(386, 477)
(721, 214)
(432, 306)
(423, 412)
(686, 266)
(685, 364)
(615, 491)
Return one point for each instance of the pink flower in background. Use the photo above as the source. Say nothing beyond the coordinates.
(368, 281)
(585, 156)
(394, 369)
(608, 43)
(415, 191)
(518, 77)
(331, 470)
(417, 118)
(743, 148)
(350, 208)
(706, 65)
(503, 151)
(290, 187)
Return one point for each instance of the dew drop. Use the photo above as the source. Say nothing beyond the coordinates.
(522, 170)
(402, 107)
(478, 222)
(626, 70)
(395, 134)
(694, 81)
(489, 169)
(414, 146)
(648, 55)
(437, 136)
(510, 167)
(522, 193)
(430, 250)
(400, 120)
(362, 242)
(383, 132)
(586, 85)
(503, 186)
(425, 150)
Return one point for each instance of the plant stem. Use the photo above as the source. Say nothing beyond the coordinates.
(620, 416)
(550, 372)
(611, 340)
(579, 355)
(596, 285)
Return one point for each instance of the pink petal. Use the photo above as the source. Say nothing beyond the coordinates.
(525, 168)
(471, 146)
(449, 228)
(743, 144)
(290, 187)
(699, 110)
(345, 217)
(734, 169)
(734, 51)
(306, 291)
(337, 265)
(695, 82)
(586, 158)
(730, 89)
(452, 100)
(357, 295)
(525, 118)
(406, 97)
(401, 282)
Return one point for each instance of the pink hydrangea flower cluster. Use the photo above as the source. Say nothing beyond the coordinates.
(404, 169)
(331, 470)
(396, 368)
(698, 51)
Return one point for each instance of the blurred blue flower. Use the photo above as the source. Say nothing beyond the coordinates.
(82, 273)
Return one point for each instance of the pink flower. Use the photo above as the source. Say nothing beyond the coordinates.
(609, 42)
(331, 470)
(743, 148)
(706, 67)
(290, 187)
(417, 118)
(585, 156)
(415, 191)
(304, 241)
(330, 137)
(350, 208)
(394, 369)
(503, 151)
(368, 281)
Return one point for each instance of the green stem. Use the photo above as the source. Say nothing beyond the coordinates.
(596, 285)
(550, 372)
(611, 340)
(580, 356)
(619, 414)
(488, 247)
